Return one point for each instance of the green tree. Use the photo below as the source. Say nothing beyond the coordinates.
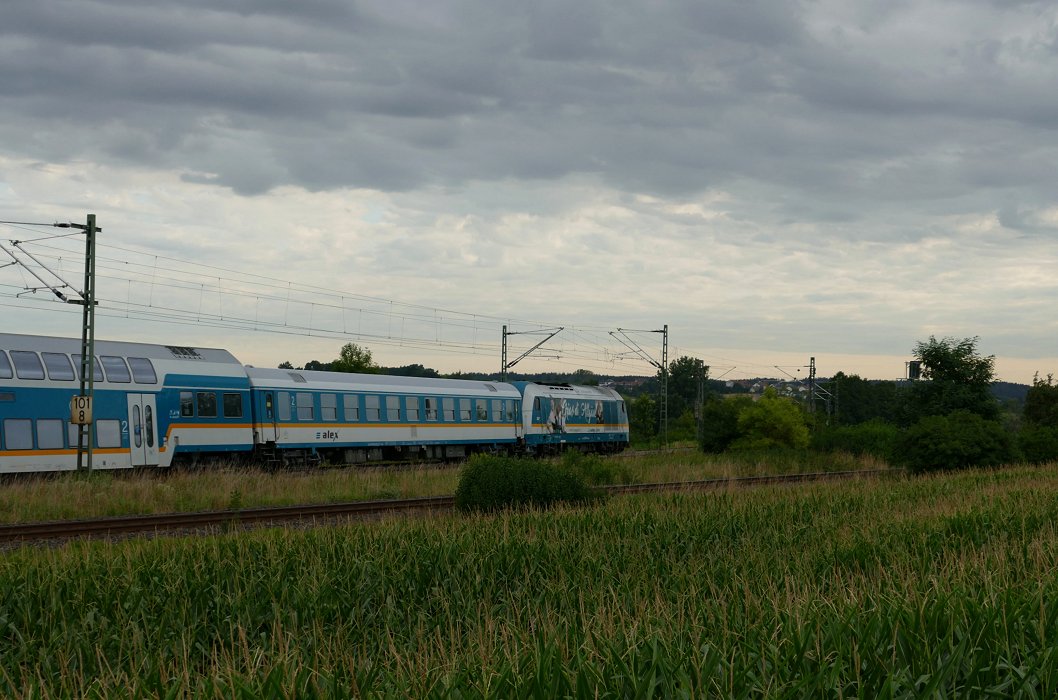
(1041, 403)
(720, 422)
(958, 379)
(773, 421)
(585, 377)
(857, 400)
(684, 375)
(643, 418)
(353, 358)
(286, 365)
(413, 370)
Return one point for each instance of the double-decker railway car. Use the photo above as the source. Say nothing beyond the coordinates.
(153, 404)
(557, 416)
(349, 418)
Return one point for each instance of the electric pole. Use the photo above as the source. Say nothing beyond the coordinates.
(80, 405)
(88, 338)
(663, 368)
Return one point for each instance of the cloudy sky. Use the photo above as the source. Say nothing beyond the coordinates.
(771, 180)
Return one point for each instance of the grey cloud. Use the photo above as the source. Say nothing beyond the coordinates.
(671, 98)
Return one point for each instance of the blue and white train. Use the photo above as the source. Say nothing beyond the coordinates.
(164, 405)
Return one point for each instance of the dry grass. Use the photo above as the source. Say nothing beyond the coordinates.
(103, 493)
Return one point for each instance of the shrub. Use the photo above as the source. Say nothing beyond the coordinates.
(958, 440)
(595, 470)
(491, 482)
(720, 422)
(1038, 444)
(771, 422)
(875, 437)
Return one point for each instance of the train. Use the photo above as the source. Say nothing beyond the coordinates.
(170, 405)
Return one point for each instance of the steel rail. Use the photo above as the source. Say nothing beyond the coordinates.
(11, 534)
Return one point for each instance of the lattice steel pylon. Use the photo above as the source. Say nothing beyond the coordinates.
(663, 367)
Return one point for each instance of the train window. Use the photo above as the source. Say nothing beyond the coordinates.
(351, 403)
(187, 404)
(284, 403)
(108, 433)
(73, 434)
(464, 409)
(536, 408)
(497, 410)
(328, 407)
(431, 408)
(148, 420)
(49, 434)
(27, 364)
(481, 409)
(142, 370)
(5, 366)
(137, 426)
(411, 408)
(393, 408)
(97, 372)
(18, 433)
(207, 404)
(304, 405)
(116, 369)
(59, 367)
(372, 405)
(512, 411)
(233, 405)
(450, 409)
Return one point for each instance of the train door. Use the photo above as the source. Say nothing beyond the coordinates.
(270, 416)
(143, 430)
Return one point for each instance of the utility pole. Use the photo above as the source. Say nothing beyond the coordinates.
(663, 409)
(80, 405)
(663, 368)
(88, 338)
(812, 385)
(699, 407)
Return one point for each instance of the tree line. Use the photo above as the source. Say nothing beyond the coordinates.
(950, 418)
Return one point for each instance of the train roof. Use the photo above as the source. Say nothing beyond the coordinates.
(45, 343)
(577, 391)
(295, 379)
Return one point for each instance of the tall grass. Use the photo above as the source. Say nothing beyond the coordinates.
(67, 495)
(939, 586)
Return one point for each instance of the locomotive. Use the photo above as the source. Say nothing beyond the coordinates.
(165, 405)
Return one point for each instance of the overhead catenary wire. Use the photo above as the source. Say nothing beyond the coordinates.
(584, 347)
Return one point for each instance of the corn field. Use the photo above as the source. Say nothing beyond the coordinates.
(938, 586)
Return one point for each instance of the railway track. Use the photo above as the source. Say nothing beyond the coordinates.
(220, 520)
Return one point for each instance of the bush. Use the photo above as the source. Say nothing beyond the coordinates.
(956, 441)
(1038, 444)
(771, 422)
(876, 438)
(720, 422)
(595, 470)
(489, 483)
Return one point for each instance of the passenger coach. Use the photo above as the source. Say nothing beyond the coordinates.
(350, 418)
(154, 405)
